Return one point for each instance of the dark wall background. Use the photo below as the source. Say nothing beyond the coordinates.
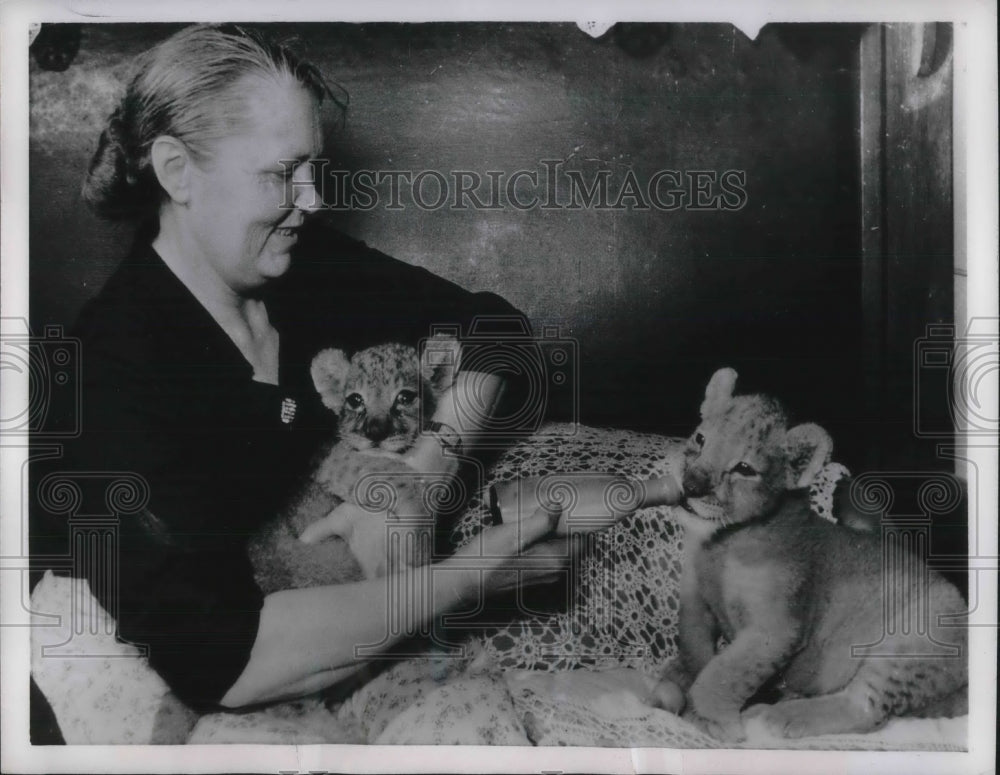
(656, 300)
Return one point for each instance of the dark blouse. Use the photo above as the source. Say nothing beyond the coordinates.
(167, 395)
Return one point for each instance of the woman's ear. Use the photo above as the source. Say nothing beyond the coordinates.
(172, 165)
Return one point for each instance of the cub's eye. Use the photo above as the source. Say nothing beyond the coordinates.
(355, 401)
(699, 439)
(405, 397)
(744, 469)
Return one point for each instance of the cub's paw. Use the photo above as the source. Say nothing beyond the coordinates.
(786, 719)
(728, 728)
(668, 696)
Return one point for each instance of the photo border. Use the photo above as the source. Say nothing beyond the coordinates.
(975, 207)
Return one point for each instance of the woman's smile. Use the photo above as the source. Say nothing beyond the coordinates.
(290, 227)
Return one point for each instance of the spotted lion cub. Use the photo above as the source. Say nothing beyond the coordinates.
(794, 594)
(381, 395)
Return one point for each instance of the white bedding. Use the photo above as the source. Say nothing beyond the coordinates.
(102, 692)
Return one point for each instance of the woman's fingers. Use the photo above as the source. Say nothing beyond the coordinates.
(498, 543)
(546, 562)
(544, 521)
(512, 538)
(337, 523)
(518, 553)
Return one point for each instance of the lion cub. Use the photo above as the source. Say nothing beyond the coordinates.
(792, 593)
(381, 396)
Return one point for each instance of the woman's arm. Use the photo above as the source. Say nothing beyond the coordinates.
(308, 639)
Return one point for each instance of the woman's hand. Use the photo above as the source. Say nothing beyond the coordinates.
(514, 554)
(311, 638)
(338, 522)
(511, 539)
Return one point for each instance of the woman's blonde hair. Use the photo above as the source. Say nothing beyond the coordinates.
(193, 87)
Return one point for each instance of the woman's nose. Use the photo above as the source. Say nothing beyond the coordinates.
(306, 195)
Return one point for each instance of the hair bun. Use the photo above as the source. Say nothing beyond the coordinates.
(115, 130)
(112, 186)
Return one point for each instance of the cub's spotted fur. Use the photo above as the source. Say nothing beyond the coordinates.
(793, 594)
(381, 395)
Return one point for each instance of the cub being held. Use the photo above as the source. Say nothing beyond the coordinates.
(792, 593)
(382, 396)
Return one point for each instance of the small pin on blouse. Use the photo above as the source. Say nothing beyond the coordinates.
(288, 409)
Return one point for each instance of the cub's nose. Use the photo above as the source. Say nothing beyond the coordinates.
(696, 483)
(377, 428)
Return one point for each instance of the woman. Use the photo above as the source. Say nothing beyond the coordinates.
(195, 370)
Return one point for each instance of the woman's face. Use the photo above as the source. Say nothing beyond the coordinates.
(249, 198)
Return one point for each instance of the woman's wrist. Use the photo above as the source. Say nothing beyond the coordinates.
(459, 419)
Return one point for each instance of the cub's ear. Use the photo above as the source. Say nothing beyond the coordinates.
(807, 449)
(719, 392)
(439, 363)
(329, 371)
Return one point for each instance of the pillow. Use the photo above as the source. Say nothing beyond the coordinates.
(100, 690)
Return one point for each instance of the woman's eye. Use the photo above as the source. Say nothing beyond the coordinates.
(405, 397)
(355, 401)
(282, 175)
(743, 469)
(699, 439)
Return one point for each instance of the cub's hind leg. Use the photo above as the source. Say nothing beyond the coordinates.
(882, 688)
(844, 711)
